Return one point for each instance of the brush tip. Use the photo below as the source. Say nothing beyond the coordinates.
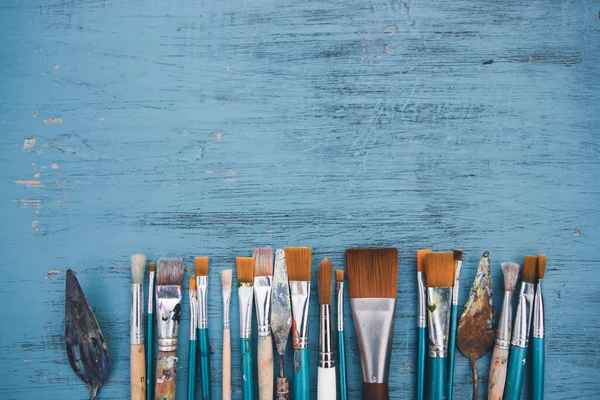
(138, 267)
(169, 271)
(263, 261)
(226, 275)
(193, 283)
(339, 275)
(530, 269)
(201, 264)
(325, 281)
(298, 260)
(421, 258)
(440, 269)
(245, 269)
(541, 267)
(511, 275)
(152, 265)
(457, 253)
(372, 273)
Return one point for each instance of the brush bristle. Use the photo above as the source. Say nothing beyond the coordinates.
(169, 271)
(421, 258)
(263, 261)
(226, 279)
(457, 255)
(152, 266)
(541, 267)
(511, 275)
(372, 273)
(138, 268)
(530, 269)
(440, 269)
(245, 269)
(201, 266)
(193, 283)
(298, 260)
(325, 282)
(339, 275)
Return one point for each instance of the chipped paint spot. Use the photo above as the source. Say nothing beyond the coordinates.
(52, 274)
(50, 121)
(230, 180)
(28, 182)
(28, 144)
(35, 114)
(38, 49)
(227, 67)
(577, 233)
(54, 166)
(390, 30)
(209, 171)
(24, 203)
(36, 175)
(57, 66)
(34, 223)
(218, 135)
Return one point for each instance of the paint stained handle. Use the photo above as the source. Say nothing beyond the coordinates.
(537, 368)
(301, 375)
(265, 368)
(138, 372)
(166, 365)
(497, 374)
(247, 373)
(376, 391)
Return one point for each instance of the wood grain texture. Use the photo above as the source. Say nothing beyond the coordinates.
(183, 127)
(138, 372)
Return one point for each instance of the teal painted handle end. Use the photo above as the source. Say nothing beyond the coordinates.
(452, 349)
(437, 378)
(422, 352)
(342, 366)
(149, 355)
(204, 363)
(301, 375)
(192, 371)
(515, 373)
(537, 368)
(247, 373)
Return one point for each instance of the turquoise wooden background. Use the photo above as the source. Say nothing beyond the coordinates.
(184, 128)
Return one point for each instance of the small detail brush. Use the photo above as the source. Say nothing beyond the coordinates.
(373, 286)
(497, 376)
(339, 279)
(421, 322)
(168, 308)
(326, 385)
(298, 264)
(150, 333)
(520, 337)
(263, 280)
(201, 264)
(137, 361)
(538, 351)
(226, 289)
(457, 254)
(245, 275)
(193, 328)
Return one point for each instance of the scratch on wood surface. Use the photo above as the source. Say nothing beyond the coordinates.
(29, 183)
(50, 121)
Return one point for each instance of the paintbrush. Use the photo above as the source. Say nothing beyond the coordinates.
(226, 291)
(245, 275)
(421, 322)
(538, 351)
(281, 318)
(149, 333)
(137, 366)
(203, 346)
(457, 255)
(339, 279)
(497, 376)
(298, 264)
(326, 385)
(168, 306)
(193, 328)
(440, 278)
(373, 284)
(263, 279)
(518, 349)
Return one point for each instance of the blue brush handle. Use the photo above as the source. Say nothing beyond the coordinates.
(342, 365)
(421, 362)
(537, 367)
(452, 348)
(515, 373)
(149, 354)
(247, 374)
(437, 378)
(204, 363)
(301, 375)
(192, 371)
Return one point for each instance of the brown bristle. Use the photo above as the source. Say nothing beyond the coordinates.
(440, 269)
(201, 266)
(339, 275)
(169, 271)
(457, 254)
(152, 266)
(372, 273)
(245, 269)
(530, 269)
(541, 266)
(263, 261)
(421, 258)
(192, 282)
(298, 260)
(511, 275)
(325, 283)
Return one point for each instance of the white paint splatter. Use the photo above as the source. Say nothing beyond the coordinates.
(28, 144)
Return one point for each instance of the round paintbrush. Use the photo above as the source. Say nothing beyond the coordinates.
(138, 355)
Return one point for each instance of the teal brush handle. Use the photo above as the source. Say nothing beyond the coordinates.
(301, 375)
(421, 362)
(204, 363)
(149, 354)
(452, 348)
(192, 371)
(342, 365)
(247, 375)
(538, 354)
(437, 378)
(515, 373)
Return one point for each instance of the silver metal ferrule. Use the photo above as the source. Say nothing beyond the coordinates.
(422, 315)
(137, 319)
(168, 313)
(300, 293)
(245, 297)
(538, 313)
(520, 335)
(438, 316)
(151, 293)
(326, 356)
(340, 305)
(262, 298)
(505, 324)
(193, 315)
(202, 291)
(374, 324)
(226, 301)
(456, 287)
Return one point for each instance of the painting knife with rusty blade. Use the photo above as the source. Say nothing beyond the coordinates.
(281, 318)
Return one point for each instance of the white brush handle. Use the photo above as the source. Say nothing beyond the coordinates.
(497, 374)
(226, 365)
(265, 368)
(326, 388)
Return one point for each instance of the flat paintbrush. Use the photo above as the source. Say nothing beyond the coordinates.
(245, 275)
(193, 336)
(263, 281)
(150, 333)
(226, 292)
(326, 387)
(457, 254)
(538, 351)
(339, 285)
(137, 360)
(201, 264)
(421, 322)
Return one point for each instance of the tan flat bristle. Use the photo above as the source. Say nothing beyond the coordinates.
(339, 275)
(169, 271)
(541, 266)
(421, 258)
(511, 275)
(192, 282)
(201, 266)
(138, 268)
(263, 261)
(245, 269)
(457, 255)
(530, 269)
(325, 282)
(298, 261)
(226, 279)
(440, 269)
(152, 266)
(372, 273)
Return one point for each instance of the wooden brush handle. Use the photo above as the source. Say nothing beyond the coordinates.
(226, 364)
(138, 372)
(497, 374)
(265, 368)
(376, 391)
(166, 365)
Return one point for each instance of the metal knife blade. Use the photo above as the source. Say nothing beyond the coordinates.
(281, 309)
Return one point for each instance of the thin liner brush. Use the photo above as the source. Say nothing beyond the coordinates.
(421, 322)
(457, 255)
(201, 264)
(150, 333)
(326, 385)
(538, 352)
(226, 292)
(245, 274)
(263, 281)
(137, 361)
(339, 279)
(193, 325)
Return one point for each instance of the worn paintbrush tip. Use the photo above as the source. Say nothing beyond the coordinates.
(421, 258)
(440, 269)
(511, 275)
(226, 279)
(530, 269)
(298, 260)
(457, 254)
(263, 261)
(372, 273)
(325, 282)
(541, 266)
(193, 283)
(201, 264)
(245, 269)
(339, 275)
(138, 268)
(169, 271)
(151, 266)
